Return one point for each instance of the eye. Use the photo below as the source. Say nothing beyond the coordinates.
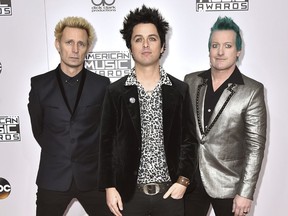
(70, 43)
(228, 45)
(82, 44)
(138, 39)
(214, 45)
(152, 39)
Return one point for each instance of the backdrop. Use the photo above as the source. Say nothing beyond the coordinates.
(27, 49)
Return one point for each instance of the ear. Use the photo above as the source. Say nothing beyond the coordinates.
(162, 48)
(57, 45)
(238, 53)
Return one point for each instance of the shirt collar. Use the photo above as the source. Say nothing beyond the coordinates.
(132, 79)
(235, 77)
(66, 77)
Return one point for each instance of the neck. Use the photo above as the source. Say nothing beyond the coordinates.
(71, 71)
(220, 76)
(148, 76)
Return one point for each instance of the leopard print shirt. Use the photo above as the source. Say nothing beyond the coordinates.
(153, 166)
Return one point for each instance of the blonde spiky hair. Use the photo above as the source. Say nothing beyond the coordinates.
(75, 22)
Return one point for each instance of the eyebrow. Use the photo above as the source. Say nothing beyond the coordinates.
(139, 35)
(214, 42)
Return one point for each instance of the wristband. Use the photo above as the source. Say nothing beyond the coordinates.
(183, 181)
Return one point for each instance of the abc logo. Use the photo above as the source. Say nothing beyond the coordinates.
(5, 188)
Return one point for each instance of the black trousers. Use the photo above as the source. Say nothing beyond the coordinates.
(198, 202)
(54, 203)
(153, 205)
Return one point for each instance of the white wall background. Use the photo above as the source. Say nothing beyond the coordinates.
(27, 49)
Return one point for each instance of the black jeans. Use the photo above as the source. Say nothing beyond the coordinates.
(153, 205)
(54, 203)
(198, 203)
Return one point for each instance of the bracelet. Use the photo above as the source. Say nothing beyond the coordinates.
(183, 181)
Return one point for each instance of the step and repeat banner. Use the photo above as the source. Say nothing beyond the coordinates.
(27, 49)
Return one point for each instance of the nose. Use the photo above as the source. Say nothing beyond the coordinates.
(220, 50)
(145, 43)
(75, 48)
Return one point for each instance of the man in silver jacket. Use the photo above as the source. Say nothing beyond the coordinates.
(230, 111)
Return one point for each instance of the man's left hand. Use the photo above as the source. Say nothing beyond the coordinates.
(176, 191)
(241, 206)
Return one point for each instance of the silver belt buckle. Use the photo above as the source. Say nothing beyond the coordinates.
(151, 189)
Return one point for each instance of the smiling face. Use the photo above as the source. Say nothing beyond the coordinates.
(72, 47)
(146, 44)
(223, 52)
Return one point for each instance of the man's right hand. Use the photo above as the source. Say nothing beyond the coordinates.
(114, 202)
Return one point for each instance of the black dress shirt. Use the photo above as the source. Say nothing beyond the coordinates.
(212, 96)
(71, 87)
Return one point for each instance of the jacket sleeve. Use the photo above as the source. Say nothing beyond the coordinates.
(35, 112)
(107, 134)
(255, 138)
(190, 145)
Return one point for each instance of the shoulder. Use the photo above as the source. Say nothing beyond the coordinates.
(97, 77)
(252, 83)
(119, 84)
(175, 80)
(118, 89)
(46, 77)
(178, 85)
(194, 75)
(195, 78)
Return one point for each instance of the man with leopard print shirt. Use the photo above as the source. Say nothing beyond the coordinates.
(148, 144)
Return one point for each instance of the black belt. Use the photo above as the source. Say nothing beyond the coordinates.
(153, 188)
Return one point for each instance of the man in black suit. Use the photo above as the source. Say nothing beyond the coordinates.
(148, 143)
(65, 107)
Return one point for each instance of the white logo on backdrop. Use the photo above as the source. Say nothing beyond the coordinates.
(103, 5)
(222, 5)
(112, 64)
(5, 8)
(5, 188)
(9, 129)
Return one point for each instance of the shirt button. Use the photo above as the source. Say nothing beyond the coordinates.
(209, 110)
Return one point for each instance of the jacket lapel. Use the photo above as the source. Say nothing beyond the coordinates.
(80, 90)
(170, 99)
(132, 103)
(61, 90)
(221, 104)
(200, 100)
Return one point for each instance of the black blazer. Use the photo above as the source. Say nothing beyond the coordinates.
(69, 140)
(120, 137)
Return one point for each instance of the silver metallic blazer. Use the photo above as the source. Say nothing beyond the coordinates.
(232, 147)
